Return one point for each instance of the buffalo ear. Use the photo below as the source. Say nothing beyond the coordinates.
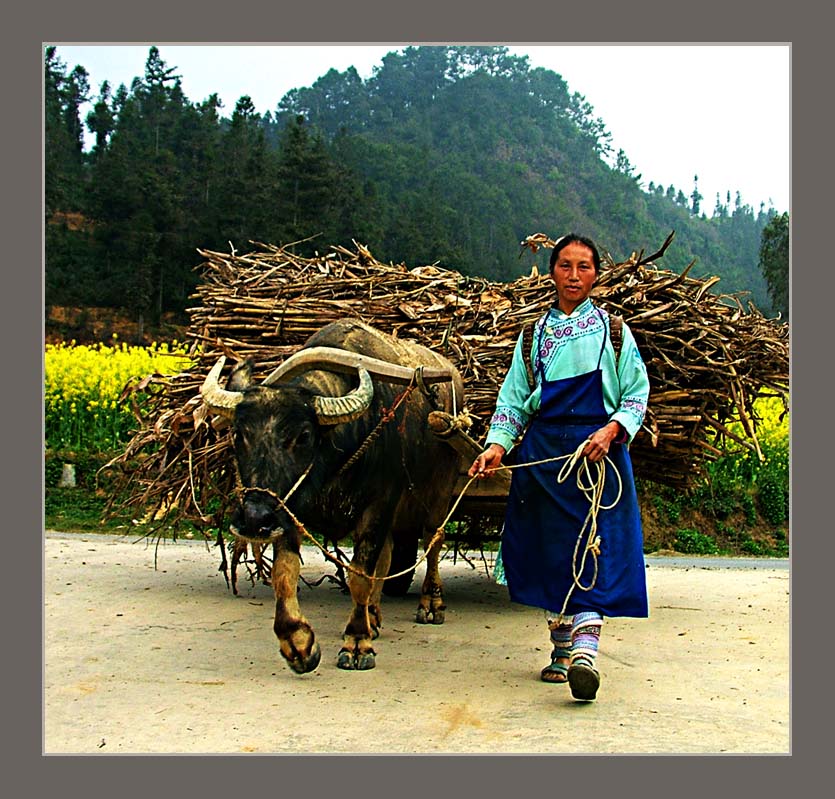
(241, 376)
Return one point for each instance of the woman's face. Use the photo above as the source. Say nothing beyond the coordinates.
(573, 275)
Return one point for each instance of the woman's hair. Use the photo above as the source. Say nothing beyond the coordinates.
(573, 238)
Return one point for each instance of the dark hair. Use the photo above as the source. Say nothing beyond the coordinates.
(573, 238)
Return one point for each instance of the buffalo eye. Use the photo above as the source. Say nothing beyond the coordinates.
(304, 438)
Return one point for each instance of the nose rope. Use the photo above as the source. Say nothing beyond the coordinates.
(242, 491)
(388, 415)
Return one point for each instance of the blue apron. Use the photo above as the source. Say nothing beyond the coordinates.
(544, 518)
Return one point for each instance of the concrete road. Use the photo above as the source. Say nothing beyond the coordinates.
(145, 657)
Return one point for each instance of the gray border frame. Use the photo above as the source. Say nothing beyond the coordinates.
(427, 22)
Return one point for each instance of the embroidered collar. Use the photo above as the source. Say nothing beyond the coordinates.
(559, 315)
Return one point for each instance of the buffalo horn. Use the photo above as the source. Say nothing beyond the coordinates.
(337, 410)
(216, 398)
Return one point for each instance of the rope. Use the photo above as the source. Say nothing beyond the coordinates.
(387, 417)
(592, 488)
(304, 532)
(593, 491)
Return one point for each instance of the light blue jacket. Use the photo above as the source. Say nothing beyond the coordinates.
(570, 346)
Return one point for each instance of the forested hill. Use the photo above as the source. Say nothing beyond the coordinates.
(445, 154)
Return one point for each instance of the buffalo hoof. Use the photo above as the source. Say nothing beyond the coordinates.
(366, 660)
(425, 616)
(303, 665)
(355, 661)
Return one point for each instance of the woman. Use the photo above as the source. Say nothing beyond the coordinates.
(582, 392)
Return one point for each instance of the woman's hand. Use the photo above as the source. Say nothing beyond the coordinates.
(491, 458)
(598, 445)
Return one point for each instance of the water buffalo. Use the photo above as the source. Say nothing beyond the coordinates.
(320, 429)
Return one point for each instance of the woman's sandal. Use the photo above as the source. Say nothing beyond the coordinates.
(584, 682)
(555, 671)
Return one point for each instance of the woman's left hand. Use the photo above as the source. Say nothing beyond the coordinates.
(598, 445)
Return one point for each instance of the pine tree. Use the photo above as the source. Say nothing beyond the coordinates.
(137, 200)
(246, 200)
(307, 183)
(63, 133)
(695, 197)
(69, 277)
(774, 262)
(101, 120)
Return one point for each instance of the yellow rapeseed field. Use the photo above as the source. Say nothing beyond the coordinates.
(82, 384)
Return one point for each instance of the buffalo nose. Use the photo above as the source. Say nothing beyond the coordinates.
(259, 515)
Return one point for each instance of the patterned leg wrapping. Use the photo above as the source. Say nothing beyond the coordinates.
(561, 641)
(585, 639)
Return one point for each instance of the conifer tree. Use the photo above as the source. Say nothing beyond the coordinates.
(695, 197)
(63, 133)
(307, 184)
(774, 261)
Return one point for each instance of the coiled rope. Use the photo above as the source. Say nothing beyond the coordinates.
(590, 485)
(592, 488)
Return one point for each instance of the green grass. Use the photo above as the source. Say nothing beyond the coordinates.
(84, 508)
(739, 508)
(74, 510)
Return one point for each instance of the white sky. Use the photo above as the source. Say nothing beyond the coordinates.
(722, 112)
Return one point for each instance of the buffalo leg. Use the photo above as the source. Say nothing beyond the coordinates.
(431, 608)
(366, 617)
(296, 640)
(239, 549)
(375, 611)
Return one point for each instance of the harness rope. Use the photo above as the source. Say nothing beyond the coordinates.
(378, 429)
(416, 382)
(592, 488)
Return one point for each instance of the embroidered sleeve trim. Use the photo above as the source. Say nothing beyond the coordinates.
(509, 421)
(636, 408)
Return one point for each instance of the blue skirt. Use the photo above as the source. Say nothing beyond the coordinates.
(544, 519)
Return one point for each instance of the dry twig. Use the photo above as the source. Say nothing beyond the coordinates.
(708, 357)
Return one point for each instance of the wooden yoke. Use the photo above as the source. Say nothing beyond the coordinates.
(337, 360)
(488, 495)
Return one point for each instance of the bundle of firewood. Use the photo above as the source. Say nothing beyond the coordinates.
(708, 355)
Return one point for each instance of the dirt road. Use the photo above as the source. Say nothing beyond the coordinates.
(141, 659)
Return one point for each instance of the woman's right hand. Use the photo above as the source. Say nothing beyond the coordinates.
(491, 458)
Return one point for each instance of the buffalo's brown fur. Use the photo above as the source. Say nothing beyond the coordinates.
(397, 490)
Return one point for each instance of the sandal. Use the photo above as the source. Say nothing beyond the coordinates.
(584, 682)
(554, 671)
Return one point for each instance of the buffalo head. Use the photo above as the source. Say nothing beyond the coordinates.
(278, 433)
